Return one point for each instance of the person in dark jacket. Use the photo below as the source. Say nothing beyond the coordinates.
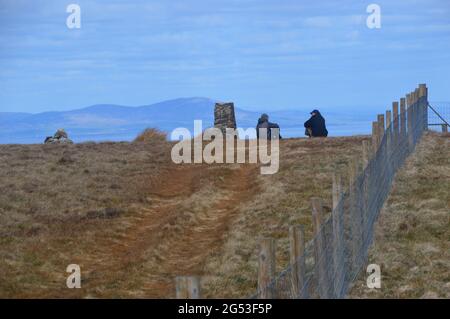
(263, 122)
(315, 126)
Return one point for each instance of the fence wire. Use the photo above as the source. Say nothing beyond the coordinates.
(439, 116)
(336, 254)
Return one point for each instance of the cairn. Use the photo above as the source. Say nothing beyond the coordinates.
(224, 116)
(60, 137)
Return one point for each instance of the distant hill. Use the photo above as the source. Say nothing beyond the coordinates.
(122, 123)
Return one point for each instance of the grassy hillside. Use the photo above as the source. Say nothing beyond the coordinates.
(133, 220)
(412, 238)
(282, 200)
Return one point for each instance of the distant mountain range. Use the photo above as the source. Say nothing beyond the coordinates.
(108, 122)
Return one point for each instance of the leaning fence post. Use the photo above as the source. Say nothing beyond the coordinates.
(338, 231)
(297, 259)
(320, 248)
(266, 272)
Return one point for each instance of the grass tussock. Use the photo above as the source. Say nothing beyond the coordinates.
(151, 135)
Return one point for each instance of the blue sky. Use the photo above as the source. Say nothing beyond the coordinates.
(276, 54)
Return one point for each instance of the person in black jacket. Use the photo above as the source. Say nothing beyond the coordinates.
(263, 122)
(315, 126)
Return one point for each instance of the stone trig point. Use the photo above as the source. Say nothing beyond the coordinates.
(224, 116)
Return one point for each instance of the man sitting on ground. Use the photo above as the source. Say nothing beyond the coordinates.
(315, 126)
(263, 122)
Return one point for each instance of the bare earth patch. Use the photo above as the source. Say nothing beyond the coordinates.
(133, 220)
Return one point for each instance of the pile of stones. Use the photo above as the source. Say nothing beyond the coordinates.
(224, 116)
(60, 137)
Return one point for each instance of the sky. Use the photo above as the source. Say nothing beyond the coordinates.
(271, 55)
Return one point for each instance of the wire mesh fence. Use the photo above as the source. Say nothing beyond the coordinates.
(330, 262)
(439, 116)
(326, 266)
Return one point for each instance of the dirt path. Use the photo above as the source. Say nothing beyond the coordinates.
(174, 235)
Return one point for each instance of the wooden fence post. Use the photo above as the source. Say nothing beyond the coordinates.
(193, 286)
(389, 126)
(266, 272)
(409, 118)
(381, 128)
(338, 232)
(181, 287)
(444, 128)
(395, 116)
(354, 214)
(423, 96)
(366, 153)
(320, 249)
(187, 287)
(366, 171)
(415, 110)
(402, 118)
(374, 141)
(388, 120)
(389, 139)
(416, 118)
(297, 259)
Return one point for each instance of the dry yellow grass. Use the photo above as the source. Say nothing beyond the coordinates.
(306, 168)
(133, 220)
(151, 135)
(57, 201)
(412, 238)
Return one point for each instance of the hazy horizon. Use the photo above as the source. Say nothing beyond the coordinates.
(272, 55)
(245, 108)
